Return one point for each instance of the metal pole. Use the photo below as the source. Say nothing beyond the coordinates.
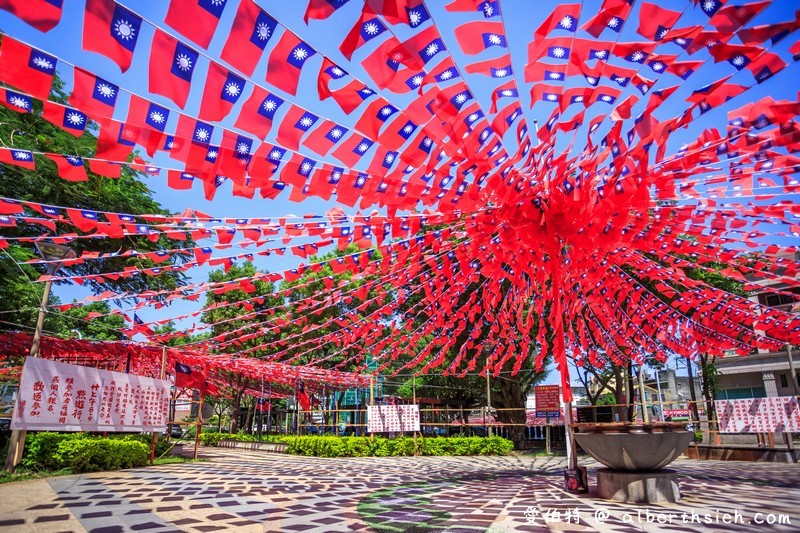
(645, 415)
(792, 371)
(692, 394)
(260, 406)
(163, 374)
(488, 406)
(660, 401)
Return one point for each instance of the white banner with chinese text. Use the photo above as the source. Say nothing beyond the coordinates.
(392, 418)
(759, 415)
(62, 397)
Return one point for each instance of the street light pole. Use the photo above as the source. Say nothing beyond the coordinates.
(55, 253)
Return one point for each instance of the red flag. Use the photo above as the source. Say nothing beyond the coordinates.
(612, 15)
(732, 17)
(27, 68)
(41, 14)
(258, 112)
(385, 61)
(105, 168)
(295, 124)
(172, 64)
(93, 95)
(116, 141)
(352, 150)
(185, 377)
(324, 181)
(477, 36)
(286, 62)
(180, 181)
(366, 28)
(563, 17)
(374, 117)
(68, 119)
(223, 90)
(111, 30)
(252, 30)
(20, 158)
(655, 21)
(70, 167)
(151, 119)
(324, 137)
(322, 9)
(195, 19)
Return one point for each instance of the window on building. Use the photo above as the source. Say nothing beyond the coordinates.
(775, 300)
(784, 381)
(740, 394)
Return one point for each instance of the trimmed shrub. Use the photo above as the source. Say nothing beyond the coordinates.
(84, 453)
(331, 446)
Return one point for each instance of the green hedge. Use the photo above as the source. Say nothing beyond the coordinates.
(86, 453)
(333, 446)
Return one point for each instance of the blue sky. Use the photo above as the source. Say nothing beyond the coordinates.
(521, 18)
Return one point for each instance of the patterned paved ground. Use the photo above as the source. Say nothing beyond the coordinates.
(256, 491)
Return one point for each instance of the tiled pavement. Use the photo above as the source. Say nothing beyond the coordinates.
(258, 491)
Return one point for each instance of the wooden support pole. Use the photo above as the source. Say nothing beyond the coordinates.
(163, 375)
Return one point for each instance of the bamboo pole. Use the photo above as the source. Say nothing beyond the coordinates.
(162, 375)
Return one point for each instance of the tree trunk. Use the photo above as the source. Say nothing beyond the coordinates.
(248, 421)
(510, 403)
(619, 394)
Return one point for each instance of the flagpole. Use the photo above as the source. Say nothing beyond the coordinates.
(260, 409)
(155, 433)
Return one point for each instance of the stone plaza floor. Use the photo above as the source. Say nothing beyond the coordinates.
(259, 491)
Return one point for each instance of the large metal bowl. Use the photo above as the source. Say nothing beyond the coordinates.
(633, 448)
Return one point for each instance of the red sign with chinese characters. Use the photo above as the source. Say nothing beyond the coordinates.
(62, 397)
(548, 401)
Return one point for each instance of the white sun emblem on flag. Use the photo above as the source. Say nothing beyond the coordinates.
(637, 56)
(663, 33)
(432, 49)
(386, 111)
(336, 176)
(566, 23)
(499, 73)
(370, 28)
(709, 5)
(507, 92)
(306, 122)
(124, 29)
(336, 71)
(232, 89)
(619, 79)
(552, 97)
(157, 117)
(365, 91)
(300, 53)
(129, 134)
(360, 180)
(577, 99)
(242, 148)
(305, 168)
(484, 135)
(389, 158)
(473, 117)
(605, 98)
(187, 176)
(263, 31)
(427, 142)
(644, 87)
(212, 154)
(738, 61)
(275, 154)
(170, 144)
(22, 155)
(184, 62)
(105, 90)
(201, 134)
(461, 98)
(336, 133)
(269, 105)
(414, 17)
(362, 147)
(600, 54)
(680, 41)
(74, 160)
(613, 22)
(417, 80)
(408, 129)
(488, 10)
(658, 66)
(557, 76)
(446, 75)
(558, 52)
(42, 63)
(495, 39)
(18, 101)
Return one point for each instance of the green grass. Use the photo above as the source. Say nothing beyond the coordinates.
(22, 474)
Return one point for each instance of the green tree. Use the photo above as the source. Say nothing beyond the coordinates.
(19, 298)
